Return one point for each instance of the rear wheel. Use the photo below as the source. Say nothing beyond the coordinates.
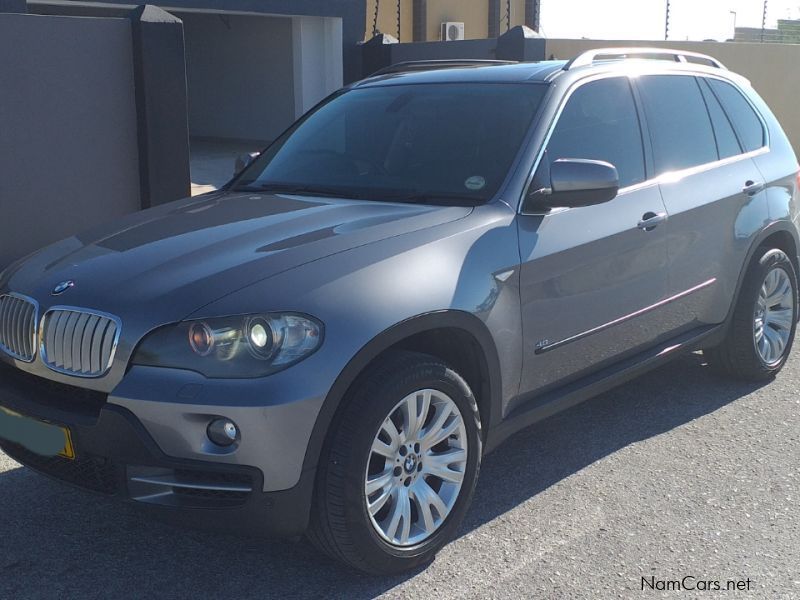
(762, 330)
(399, 467)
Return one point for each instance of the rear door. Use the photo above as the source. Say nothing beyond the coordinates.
(707, 179)
(592, 278)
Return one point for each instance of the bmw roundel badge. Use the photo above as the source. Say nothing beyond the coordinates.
(62, 287)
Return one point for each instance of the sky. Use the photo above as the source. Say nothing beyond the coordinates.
(644, 19)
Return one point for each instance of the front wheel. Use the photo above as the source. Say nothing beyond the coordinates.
(399, 467)
(762, 329)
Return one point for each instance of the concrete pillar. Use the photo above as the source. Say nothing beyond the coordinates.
(522, 44)
(420, 21)
(494, 19)
(533, 14)
(376, 53)
(317, 56)
(159, 68)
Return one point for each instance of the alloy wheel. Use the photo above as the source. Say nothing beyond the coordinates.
(416, 467)
(773, 314)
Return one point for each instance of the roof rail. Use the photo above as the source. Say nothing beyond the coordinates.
(425, 65)
(588, 58)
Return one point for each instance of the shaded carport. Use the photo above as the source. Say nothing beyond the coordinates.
(249, 76)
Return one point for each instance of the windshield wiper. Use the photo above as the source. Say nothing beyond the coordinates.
(451, 198)
(300, 190)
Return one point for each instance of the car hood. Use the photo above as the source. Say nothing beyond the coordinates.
(171, 260)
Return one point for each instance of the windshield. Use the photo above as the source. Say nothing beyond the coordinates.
(434, 143)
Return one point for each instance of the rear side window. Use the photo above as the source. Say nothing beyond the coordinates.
(600, 122)
(747, 124)
(727, 143)
(678, 121)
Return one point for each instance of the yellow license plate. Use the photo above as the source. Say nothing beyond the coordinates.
(37, 436)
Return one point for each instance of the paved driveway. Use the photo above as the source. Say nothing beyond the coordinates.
(676, 474)
(213, 162)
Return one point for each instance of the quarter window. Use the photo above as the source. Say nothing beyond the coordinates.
(727, 143)
(600, 122)
(678, 121)
(745, 121)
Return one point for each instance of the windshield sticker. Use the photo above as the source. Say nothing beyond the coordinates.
(476, 182)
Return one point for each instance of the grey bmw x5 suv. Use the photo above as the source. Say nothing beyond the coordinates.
(428, 261)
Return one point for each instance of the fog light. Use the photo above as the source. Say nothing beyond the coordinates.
(223, 432)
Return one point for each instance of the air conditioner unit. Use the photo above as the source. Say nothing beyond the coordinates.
(452, 31)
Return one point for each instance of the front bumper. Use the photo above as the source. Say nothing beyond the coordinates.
(117, 457)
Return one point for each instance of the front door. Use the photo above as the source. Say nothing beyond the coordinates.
(594, 279)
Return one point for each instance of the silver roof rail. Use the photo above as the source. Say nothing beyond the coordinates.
(588, 58)
(425, 65)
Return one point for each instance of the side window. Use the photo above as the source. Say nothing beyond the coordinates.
(727, 143)
(678, 121)
(747, 124)
(600, 122)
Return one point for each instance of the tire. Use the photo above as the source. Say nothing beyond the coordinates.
(739, 355)
(341, 523)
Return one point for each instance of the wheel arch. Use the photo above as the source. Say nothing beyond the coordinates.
(780, 234)
(459, 338)
(783, 240)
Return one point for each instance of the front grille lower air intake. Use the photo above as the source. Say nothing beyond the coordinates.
(18, 326)
(79, 342)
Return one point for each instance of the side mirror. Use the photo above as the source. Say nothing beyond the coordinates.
(576, 182)
(242, 162)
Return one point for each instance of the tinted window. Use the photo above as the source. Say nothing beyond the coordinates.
(744, 118)
(448, 142)
(727, 144)
(678, 121)
(600, 122)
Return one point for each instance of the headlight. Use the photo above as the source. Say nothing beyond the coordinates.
(234, 347)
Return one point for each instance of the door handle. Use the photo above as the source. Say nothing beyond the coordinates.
(751, 188)
(651, 220)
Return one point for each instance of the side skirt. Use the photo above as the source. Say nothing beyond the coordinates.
(536, 408)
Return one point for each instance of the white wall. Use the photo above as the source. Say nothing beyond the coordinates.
(240, 72)
(317, 54)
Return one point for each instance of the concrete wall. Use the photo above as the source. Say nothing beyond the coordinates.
(772, 68)
(518, 44)
(473, 13)
(351, 12)
(240, 75)
(68, 134)
(387, 19)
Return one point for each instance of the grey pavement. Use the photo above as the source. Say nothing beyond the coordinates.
(676, 474)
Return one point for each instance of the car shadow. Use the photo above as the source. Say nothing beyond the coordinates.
(55, 540)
